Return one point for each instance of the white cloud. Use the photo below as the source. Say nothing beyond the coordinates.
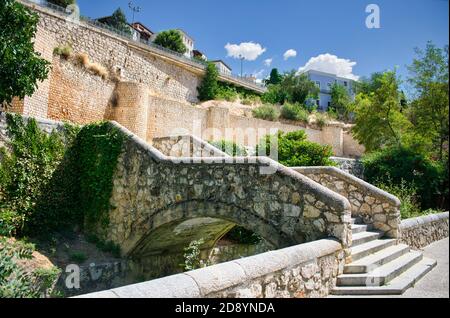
(248, 50)
(331, 64)
(268, 62)
(259, 74)
(289, 53)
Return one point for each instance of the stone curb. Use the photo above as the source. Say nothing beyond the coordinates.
(213, 279)
(421, 220)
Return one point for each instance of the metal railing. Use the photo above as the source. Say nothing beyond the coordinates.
(129, 36)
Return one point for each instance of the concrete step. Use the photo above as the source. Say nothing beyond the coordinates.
(356, 220)
(364, 237)
(395, 287)
(373, 261)
(358, 228)
(383, 274)
(366, 249)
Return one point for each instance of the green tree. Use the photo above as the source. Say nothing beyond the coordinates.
(275, 77)
(62, 3)
(209, 87)
(21, 67)
(340, 100)
(430, 108)
(118, 20)
(172, 40)
(379, 121)
(298, 87)
(274, 95)
(368, 85)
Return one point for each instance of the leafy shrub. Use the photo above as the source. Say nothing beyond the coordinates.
(15, 280)
(226, 93)
(57, 181)
(289, 111)
(251, 100)
(230, 148)
(266, 112)
(241, 235)
(65, 51)
(26, 172)
(78, 257)
(192, 256)
(407, 195)
(274, 95)
(294, 112)
(295, 151)
(392, 165)
(209, 86)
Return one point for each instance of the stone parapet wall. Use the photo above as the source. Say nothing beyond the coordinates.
(273, 201)
(186, 146)
(302, 271)
(424, 230)
(373, 205)
(351, 166)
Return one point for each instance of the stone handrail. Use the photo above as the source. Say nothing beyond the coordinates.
(290, 272)
(423, 230)
(306, 210)
(373, 205)
(186, 146)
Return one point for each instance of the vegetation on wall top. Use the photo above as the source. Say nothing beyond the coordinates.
(172, 40)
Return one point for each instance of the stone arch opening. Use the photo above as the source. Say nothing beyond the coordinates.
(173, 228)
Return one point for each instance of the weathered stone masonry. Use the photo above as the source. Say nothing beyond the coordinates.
(373, 205)
(422, 231)
(302, 271)
(152, 190)
(148, 92)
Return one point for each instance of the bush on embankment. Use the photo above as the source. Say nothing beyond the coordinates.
(57, 181)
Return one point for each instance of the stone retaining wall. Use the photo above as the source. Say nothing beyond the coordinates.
(302, 271)
(424, 230)
(372, 204)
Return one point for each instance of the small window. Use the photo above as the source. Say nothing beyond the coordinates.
(318, 84)
(329, 85)
(345, 84)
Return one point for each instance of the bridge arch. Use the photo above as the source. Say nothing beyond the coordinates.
(174, 227)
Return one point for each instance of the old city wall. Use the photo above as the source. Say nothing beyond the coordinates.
(150, 93)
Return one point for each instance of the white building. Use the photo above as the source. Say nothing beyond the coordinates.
(188, 42)
(222, 67)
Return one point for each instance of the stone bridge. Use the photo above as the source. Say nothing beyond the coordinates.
(162, 201)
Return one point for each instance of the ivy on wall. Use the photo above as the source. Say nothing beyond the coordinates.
(57, 181)
(98, 148)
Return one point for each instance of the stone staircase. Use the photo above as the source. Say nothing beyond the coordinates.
(380, 266)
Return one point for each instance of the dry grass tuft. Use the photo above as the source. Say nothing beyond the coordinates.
(98, 69)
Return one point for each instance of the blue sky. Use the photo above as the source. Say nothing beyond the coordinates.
(311, 28)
